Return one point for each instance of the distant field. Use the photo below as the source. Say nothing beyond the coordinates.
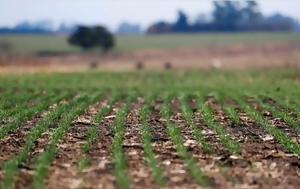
(150, 130)
(31, 44)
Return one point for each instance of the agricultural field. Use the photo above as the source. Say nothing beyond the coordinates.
(164, 129)
(39, 44)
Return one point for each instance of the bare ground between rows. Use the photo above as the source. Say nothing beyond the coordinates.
(25, 176)
(209, 163)
(263, 163)
(271, 101)
(253, 169)
(64, 171)
(14, 142)
(220, 164)
(100, 173)
(173, 166)
(269, 165)
(277, 122)
(138, 169)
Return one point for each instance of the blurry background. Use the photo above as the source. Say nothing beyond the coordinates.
(131, 34)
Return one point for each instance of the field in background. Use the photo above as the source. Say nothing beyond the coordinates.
(181, 52)
(150, 130)
(34, 44)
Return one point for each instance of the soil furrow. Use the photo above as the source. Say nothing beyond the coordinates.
(283, 105)
(173, 165)
(100, 173)
(264, 162)
(25, 175)
(139, 171)
(207, 162)
(14, 142)
(277, 122)
(64, 172)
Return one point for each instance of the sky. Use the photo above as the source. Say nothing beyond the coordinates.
(112, 12)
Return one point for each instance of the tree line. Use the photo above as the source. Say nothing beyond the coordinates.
(227, 16)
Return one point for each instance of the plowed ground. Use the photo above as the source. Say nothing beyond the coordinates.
(98, 136)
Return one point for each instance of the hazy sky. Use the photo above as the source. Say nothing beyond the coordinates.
(113, 12)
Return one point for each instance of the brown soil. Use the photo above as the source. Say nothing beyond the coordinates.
(266, 164)
(68, 154)
(263, 162)
(100, 173)
(175, 170)
(275, 55)
(138, 170)
(64, 171)
(293, 134)
(14, 142)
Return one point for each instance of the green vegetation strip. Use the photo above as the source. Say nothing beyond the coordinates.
(280, 136)
(32, 44)
(209, 119)
(233, 115)
(119, 160)
(12, 165)
(157, 171)
(287, 101)
(45, 159)
(280, 114)
(18, 105)
(12, 97)
(291, 108)
(175, 135)
(230, 111)
(24, 115)
(196, 131)
(12, 101)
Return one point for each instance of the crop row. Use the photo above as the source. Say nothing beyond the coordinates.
(10, 103)
(64, 113)
(280, 113)
(11, 166)
(196, 131)
(45, 159)
(27, 113)
(61, 114)
(145, 131)
(93, 132)
(240, 99)
(279, 135)
(175, 136)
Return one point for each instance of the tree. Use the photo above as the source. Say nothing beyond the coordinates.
(279, 22)
(159, 27)
(181, 25)
(91, 37)
(251, 13)
(227, 15)
(253, 10)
